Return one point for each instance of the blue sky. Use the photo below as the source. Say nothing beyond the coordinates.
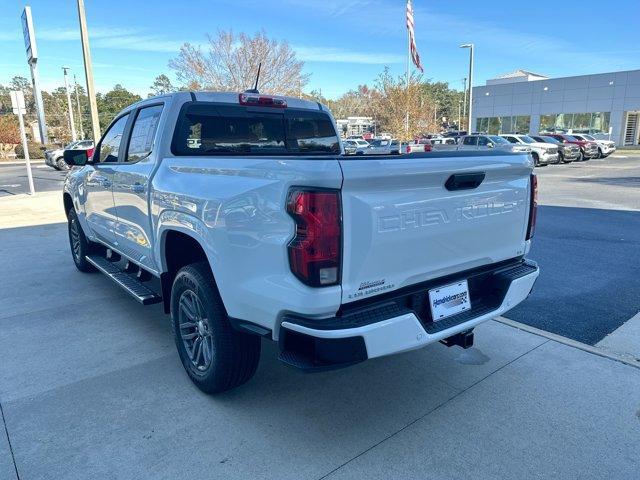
(344, 43)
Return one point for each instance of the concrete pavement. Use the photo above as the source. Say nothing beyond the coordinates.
(91, 387)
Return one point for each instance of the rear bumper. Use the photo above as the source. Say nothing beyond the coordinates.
(389, 327)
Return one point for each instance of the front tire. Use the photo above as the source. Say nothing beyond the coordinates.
(216, 357)
(62, 165)
(80, 246)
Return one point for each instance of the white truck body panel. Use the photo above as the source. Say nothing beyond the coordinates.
(410, 229)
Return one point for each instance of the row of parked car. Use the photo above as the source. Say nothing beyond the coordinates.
(544, 148)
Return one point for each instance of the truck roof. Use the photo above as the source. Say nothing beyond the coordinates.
(234, 98)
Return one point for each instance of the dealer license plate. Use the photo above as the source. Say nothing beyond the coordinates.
(449, 300)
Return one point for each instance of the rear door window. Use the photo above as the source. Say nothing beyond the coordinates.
(470, 141)
(214, 129)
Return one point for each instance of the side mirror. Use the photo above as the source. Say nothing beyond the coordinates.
(490, 145)
(76, 158)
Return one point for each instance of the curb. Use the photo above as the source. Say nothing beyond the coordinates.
(632, 362)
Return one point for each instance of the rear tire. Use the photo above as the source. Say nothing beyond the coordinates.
(80, 246)
(216, 357)
(580, 157)
(600, 155)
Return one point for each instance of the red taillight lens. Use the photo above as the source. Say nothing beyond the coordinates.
(315, 250)
(90, 153)
(408, 149)
(261, 100)
(533, 207)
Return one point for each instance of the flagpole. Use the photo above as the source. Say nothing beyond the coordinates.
(406, 118)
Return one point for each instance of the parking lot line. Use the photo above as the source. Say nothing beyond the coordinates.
(633, 362)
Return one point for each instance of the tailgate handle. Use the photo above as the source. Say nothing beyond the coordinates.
(464, 181)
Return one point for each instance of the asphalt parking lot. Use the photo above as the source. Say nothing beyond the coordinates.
(91, 385)
(14, 180)
(587, 243)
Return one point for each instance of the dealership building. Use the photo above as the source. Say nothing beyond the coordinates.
(604, 104)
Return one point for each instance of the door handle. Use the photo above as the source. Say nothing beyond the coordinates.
(138, 188)
(464, 181)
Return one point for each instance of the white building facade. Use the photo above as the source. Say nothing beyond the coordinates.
(524, 102)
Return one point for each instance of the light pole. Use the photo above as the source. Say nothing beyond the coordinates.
(71, 122)
(75, 85)
(464, 100)
(88, 71)
(470, 47)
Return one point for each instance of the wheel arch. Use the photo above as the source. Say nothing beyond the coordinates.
(67, 201)
(178, 248)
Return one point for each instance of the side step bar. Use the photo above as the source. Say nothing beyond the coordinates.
(129, 284)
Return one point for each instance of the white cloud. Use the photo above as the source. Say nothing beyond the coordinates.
(338, 55)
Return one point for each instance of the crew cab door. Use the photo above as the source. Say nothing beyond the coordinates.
(131, 187)
(99, 209)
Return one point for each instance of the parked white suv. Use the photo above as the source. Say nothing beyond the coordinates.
(605, 147)
(490, 142)
(542, 153)
(239, 213)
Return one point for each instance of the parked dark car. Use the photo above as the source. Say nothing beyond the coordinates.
(567, 152)
(587, 149)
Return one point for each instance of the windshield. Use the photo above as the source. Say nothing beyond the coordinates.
(71, 145)
(527, 139)
(379, 143)
(572, 139)
(362, 143)
(551, 140)
(498, 140)
(588, 137)
(209, 129)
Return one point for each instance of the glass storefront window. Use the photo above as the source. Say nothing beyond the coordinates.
(547, 123)
(494, 125)
(522, 124)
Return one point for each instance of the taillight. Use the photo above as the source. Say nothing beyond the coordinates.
(90, 153)
(315, 250)
(533, 207)
(408, 149)
(261, 100)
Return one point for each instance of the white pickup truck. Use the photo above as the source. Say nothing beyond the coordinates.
(241, 215)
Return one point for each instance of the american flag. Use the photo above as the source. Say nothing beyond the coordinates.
(412, 40)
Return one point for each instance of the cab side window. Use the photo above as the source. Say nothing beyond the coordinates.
(512, 139)
(109, 147)
(483, 141)
(143, 133)
(470, 141)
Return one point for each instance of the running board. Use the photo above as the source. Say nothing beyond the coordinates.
(129, 284)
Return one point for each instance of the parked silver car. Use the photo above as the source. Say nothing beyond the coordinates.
(486, 142)
(54, 158)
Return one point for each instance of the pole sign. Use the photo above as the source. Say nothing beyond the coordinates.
(17, 102)
(29, 35)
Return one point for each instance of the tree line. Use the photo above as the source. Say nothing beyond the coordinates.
(229, 62)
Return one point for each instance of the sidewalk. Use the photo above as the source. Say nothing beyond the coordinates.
(91, 387)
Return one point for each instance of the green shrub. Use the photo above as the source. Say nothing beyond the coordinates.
(36, 150)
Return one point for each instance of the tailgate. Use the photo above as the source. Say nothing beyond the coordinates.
(403, 226)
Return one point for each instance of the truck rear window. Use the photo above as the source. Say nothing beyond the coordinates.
(214, 129)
